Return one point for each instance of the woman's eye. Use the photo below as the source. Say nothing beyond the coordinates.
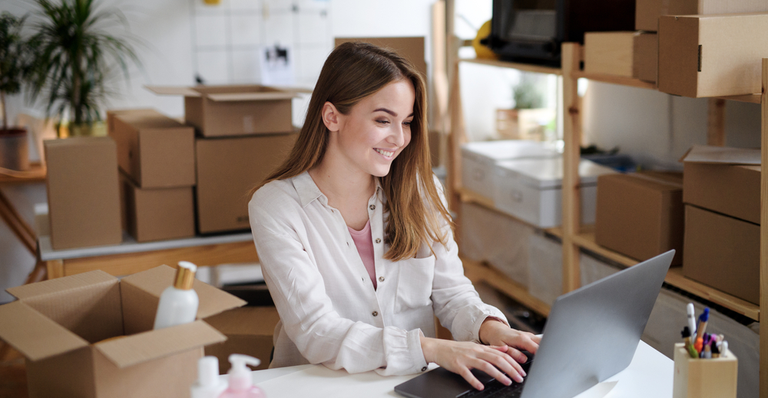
(381, 121)
(407, 122)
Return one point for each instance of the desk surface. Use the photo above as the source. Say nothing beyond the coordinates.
(649, 375)
(129, 245)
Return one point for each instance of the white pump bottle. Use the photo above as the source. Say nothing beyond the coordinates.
(208, 384)
(178, 303)
(240, 382)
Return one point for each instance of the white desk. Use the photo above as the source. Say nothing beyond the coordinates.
(649, 375)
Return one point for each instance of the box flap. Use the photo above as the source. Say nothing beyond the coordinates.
(58, 285)
(718, 154)
(212, 300)
(138, 348)
(173, 90)
(33, 334)
(255, 96)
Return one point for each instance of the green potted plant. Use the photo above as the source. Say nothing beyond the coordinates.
(74, 59)
(528, 118)
(13, 56)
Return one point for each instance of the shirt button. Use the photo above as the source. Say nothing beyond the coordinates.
(378, 240)
(375, 313)
(424, 369)
(381, 279)
(372, 207)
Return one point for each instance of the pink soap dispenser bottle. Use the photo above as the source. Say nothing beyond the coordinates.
(240, 383)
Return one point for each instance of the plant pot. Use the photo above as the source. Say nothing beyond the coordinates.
(95, 129)
(14, 151)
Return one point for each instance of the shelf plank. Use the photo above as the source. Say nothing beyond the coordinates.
(751, 98)
(613, 79)
(36, 173)
(586, 240)
(514, 65)
(477, 271)
(675, 278)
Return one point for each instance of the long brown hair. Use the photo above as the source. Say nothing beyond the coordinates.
(353, 71)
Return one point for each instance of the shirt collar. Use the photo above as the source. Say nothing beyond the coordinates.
(308, 191)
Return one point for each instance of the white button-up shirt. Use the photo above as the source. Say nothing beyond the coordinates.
(329, 310)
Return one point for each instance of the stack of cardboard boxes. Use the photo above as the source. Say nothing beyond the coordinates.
(243, 134)
(722, 219)
(693, 48)
(156, 156)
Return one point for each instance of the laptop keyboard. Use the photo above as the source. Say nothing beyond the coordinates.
(496, 390)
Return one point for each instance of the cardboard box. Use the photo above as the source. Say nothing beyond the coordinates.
(83, 193)
(609, 53)
(725, 180)
(531, 190)
(645, 57)
(249, 331)
(712, 55)
(61, 327)
(722, 252)
(153, 149)
(217, 111)
(227, 169)
(640, 216)
(478, 160)
(647, 12)
(158, 213)
(112, 113)
(410, 48)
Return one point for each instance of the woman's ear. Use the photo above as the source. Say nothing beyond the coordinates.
(331, 116)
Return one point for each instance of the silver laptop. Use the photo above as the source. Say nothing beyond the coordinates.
(591, 334)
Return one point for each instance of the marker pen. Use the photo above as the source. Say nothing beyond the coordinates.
(724, 349)
(699, 344)
(688, 346)
(691, 319)
(715, 350)
(707, 353)
(703, 318)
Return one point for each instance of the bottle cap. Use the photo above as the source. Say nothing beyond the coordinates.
(239, 374)
(185, 275)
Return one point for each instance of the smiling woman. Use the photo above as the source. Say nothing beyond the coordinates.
(355, 240)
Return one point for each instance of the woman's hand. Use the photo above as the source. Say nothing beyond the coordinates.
(497, 333)
(462, 356)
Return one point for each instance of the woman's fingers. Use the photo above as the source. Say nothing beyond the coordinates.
(466, 373)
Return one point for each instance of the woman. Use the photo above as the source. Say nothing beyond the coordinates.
(356, 243)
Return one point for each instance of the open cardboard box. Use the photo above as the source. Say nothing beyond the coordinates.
(217, 111)
(62, 326)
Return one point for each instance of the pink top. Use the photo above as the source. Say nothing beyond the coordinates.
(364, 245)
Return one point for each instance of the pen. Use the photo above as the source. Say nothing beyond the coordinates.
(724, 349)
(687, 338)
(691, 320)
(707, 352)
(703, 318)
(699, 344)
(715, 350)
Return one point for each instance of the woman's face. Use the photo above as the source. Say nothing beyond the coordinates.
(376, 129)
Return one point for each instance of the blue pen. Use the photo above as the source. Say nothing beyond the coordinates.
(703, 318)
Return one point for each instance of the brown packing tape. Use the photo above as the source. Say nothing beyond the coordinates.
(143, 347)
(33, 334)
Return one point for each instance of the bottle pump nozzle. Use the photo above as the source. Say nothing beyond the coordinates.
(239, 375)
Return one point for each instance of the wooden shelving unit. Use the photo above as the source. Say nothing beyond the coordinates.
(576, 236)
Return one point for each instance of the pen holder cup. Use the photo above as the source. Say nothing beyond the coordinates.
(704, 378)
